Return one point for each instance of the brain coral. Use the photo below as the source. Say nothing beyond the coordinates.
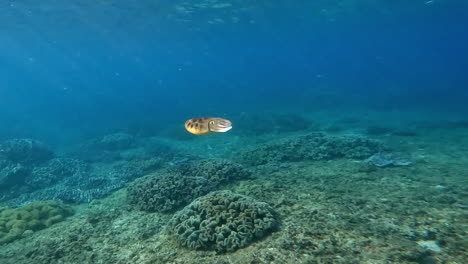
(33, 217)
(167, 190)
(222, 221)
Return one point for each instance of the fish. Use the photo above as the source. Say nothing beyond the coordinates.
(207, 125)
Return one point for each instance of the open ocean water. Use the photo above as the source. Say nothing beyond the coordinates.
(348, 144)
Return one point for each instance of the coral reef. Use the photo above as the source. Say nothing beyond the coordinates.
(71, 190)
(73, 181)
(313, 146)
(167, 190)
(107, 148)
(128, 171)
(14, 222)
(25, 150)
(387, 160)
(121, 146)
(116, 141)
(179, 185)
(55, 170)
(222, 221)
(18, 157)
(333, 213)
(87, 188)
(12, 174)
(143, 165)
(218, 171)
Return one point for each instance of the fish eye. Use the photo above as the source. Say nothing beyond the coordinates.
(211, 122)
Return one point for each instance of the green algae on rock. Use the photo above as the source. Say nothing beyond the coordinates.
(223, 221)
(33, 217)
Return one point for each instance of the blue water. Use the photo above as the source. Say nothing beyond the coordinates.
(69, 68)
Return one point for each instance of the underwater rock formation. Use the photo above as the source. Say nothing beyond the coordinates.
(14, 222)
(25, 150)
(223, 221)
(167, 190)
(313, 146)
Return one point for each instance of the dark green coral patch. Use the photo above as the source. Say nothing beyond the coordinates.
(34, 216)
(223, 221)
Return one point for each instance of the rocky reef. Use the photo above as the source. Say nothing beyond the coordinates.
(312, 146)
(223, 221)
(15, 222)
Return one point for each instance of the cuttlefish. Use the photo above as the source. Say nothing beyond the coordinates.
(207, 125)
